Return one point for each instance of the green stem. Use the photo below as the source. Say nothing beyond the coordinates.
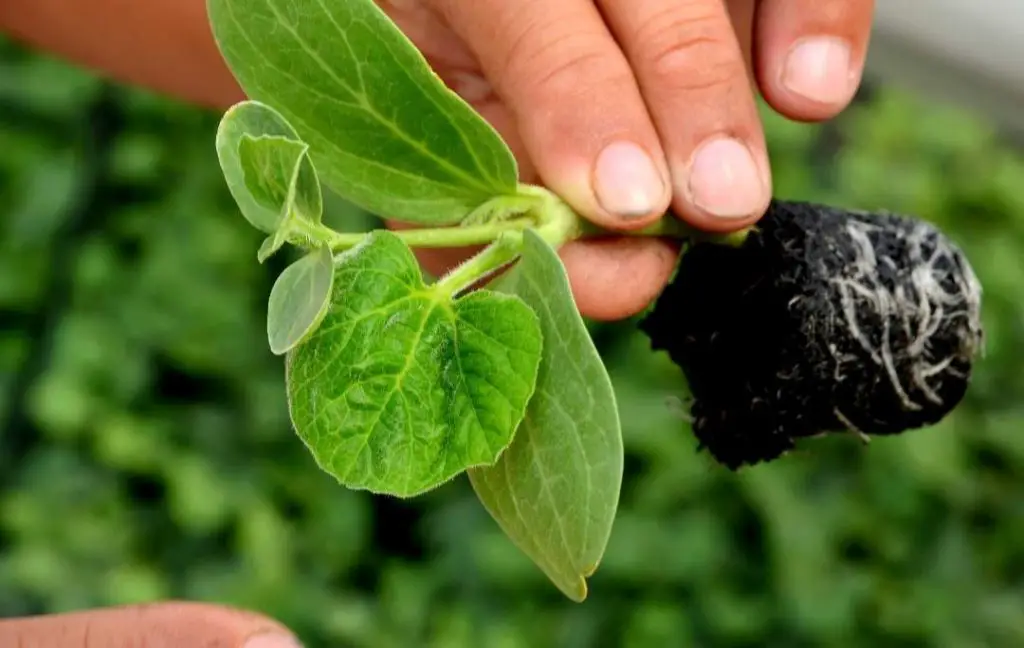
(505, 220)
(440, 237)
(558, 223)
(531, 207)
(491, 259)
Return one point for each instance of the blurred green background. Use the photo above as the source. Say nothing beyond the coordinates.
(145, 450)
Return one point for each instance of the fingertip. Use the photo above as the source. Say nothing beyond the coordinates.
(725, 186)
(623, 186)
(271, 640)
(811, 53)
(708, 225)
(817, 78)
(629, 188)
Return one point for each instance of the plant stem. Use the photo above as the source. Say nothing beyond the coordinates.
(531, 207)
(558, 222)
(498, 254)
(440, 237)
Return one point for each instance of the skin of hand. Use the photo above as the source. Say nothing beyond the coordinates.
(157, 625)
(625, 108)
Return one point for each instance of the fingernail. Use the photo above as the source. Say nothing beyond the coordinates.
(725, 180)
(626, 181)
(819, 69)
(272, 640)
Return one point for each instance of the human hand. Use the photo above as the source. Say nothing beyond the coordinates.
(158, 625)
(581, 90)
(626, 108)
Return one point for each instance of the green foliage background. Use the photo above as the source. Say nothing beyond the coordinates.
(145, 450)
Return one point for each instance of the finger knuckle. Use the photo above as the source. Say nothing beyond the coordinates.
(579, 70)
(546, 61)
(688, 50)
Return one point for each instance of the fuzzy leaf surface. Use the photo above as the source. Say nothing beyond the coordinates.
(555, 491)
(383, 129)
(299, 300)
(401, 388)
(267, 167)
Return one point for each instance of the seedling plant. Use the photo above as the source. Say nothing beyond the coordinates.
(398, 385)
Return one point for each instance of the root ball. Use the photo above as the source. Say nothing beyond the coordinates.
(824, 320)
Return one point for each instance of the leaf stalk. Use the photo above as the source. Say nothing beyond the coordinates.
(532, 207)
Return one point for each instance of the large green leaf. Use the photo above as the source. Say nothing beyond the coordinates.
(267, 168)
(383, 129)
(556, 489)
(401, 388)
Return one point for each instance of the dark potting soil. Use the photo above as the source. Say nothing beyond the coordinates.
(824, 320)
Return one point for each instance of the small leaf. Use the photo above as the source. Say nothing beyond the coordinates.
(383, 129)
(299, 300)
(279, 175)
(272, 244)
(401, 388)
(267, 168)
(556, 489)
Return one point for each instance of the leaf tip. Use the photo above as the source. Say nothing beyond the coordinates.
(579, 595)
(270, 245)
(280, 350)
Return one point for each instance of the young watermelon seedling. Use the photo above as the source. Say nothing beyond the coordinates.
(815, 320)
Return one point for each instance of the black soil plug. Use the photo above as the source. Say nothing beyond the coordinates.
(823, 320)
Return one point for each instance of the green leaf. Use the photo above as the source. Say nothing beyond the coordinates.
(267, 168)
(279, 175)
(401, 388)
(556, 489)
(272, 244)
(383, 129)
(299, 300)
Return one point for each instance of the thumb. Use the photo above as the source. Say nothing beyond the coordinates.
(159, 625)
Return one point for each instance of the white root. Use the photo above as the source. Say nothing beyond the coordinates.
(922, 306)
(842, 418)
